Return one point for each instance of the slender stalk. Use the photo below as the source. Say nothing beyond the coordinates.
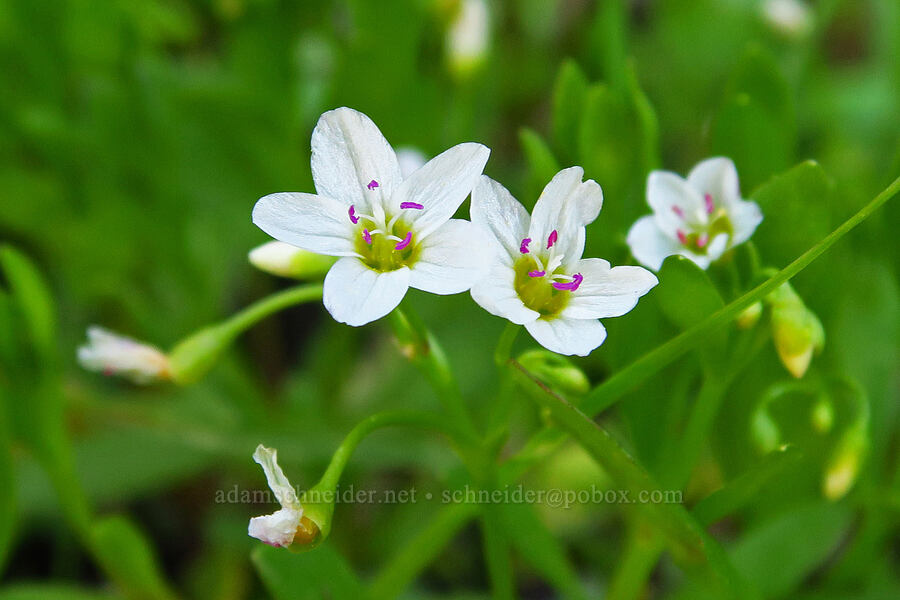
(607, 393)
(409, 560)
(269, 305)
(497, 555)
(374, 422)
(505, 344)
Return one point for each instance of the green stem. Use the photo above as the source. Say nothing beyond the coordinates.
(361, 430)
(261, 309)
(423, 350)
(505, 344)
(636, 564)
(603, 396)
(409, 560)
(497, 555)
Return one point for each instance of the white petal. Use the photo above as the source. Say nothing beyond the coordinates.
(284, 492)
(745, 218)
(315, 223)
(440, 186)
(717, 247)
(567, 336)
(495, 209)
(496, 294)
(674, 201)
(452, 258)
(649, 244)
(355, 294)
(566, 205)
(717, 177)
(277, 529)
(348, 152)
(607, 292)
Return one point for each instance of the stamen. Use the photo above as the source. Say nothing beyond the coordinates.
(681, 237)
(405, 241)
(570, 286)
(372, 185)
(677, 210)
(367, 237)
(710, 206)
(352, 212)
(552, 239)
(537, 273)
(523, 247)
(415, 205)
(702, 240)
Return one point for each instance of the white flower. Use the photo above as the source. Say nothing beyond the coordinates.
(288, 525)
(113, 354)
(538, 278)
(391, 233)
(699, 218)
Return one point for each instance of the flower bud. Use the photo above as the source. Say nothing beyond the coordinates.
(468, 38)
(749, 316)
(796, 330)
(557, 371)
(791, 18)
(842, 469)
(193, 357)
(284, 260)
(823, 415)
(113, 354)
(764, 431)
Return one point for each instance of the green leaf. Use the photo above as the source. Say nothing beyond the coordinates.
(33, 297)
(320, 573)
(126, 555)
(685, 292)
(542, 165)
(539, 547)
(569, 98)
(744, 488)
(779, 554)
(796, 206)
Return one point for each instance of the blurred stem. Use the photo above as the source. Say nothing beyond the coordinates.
(607, 393)
(261, 309)
(497, 556)
(417, 553)
(504, 346)
(640, 555)
(423, 350)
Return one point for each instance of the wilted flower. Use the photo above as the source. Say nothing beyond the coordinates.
(698, 218)
(288, 525)
(112, 354)
(537, 276)
(391, 233)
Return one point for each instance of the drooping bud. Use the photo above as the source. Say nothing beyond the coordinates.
(843, 467)
(113, 354)
(796, 330)
(557, 371)
(285, 260)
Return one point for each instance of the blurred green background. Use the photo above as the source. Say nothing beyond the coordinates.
(136, 135)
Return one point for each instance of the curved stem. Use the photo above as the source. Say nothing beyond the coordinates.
(505, 344)
(341, 456)
(261, 309)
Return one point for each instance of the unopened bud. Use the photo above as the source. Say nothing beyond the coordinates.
(843, 468)
(823, 415)
(284, 260)
(791, 18)
(556, 371)
(764, 431)
(468, 38)
(113, 354)
(796, 330)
